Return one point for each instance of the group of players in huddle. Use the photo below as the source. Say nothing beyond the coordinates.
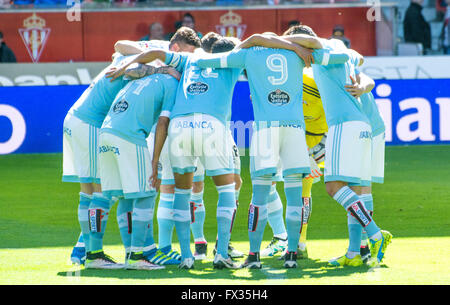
(157, 119)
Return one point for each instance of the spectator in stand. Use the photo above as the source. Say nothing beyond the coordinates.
(338, 33)
(415, 27)
(6, 54)
(189, 21)
(441, 8)
(156, 31)
(177, 26)
(445, 34)
(5, 3)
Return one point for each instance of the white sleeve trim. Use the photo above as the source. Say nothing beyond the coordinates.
(223, 62)
(165, 113)
(326, 58)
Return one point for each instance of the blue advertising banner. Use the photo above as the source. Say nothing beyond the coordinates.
(414, 111)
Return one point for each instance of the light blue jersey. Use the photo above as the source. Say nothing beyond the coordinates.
(207, 91)
(370, 108)
(94, 103)
(339, 105)
(138, 106)
(274, 76)
(154, 44)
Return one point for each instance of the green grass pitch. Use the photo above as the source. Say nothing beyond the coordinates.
(38, 228)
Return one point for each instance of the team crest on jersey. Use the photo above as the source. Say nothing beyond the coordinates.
(121, 106)
(197, 88)
(34, 36)
(278, 98)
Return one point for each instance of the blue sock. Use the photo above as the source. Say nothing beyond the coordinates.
(354, 233)
(368, 202)
(165, 220)
(353, 204)
(257, 213)
(80, 242)
(197, 216)
(83, 218)
(182, 220)
(98, 218)
(294, 210)
(142, 216)
(275, 214)
(226, 208)
(124, 221)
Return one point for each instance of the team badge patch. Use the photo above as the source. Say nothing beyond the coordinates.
(253, 215)
(192, 208)
(120, 106)
(197, 88)
(95, 217)
(359, 212)
(278, 98)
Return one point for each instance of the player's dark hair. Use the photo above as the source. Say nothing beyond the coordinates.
(300, 29)
(185, 35)
(208, 40)
(222, 45)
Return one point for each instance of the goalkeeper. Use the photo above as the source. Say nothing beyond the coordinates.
(316, 129)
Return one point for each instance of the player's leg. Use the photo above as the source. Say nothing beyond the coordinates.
(295, 164)
(226, 210)
(217, 159)
(101, 203)
(182, 217)
(264, 156)
(134, 163)
(165, 221)
(348, 150)
(182, 155)
(377, 176)
(73, 166)
(165, 206)
(233, 252)
(124, 221)
(198, 213)
(366, 197)
(78, 255)
(307, 209)
(275, 218)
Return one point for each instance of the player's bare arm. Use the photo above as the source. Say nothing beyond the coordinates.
(143, 58)
(127, 47)
(136, 71)
(270, 41)
(305, 41)
(160, 138)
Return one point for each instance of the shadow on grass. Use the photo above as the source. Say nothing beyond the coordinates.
(272, 270)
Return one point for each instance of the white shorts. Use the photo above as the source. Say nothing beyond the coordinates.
(200, 137)
(80, 151)
(378, 145)
(348, 153)
(125, 168)
(275, 147)
(165, 172)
